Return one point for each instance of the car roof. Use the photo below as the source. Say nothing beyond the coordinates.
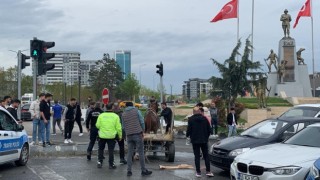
(308, 105)
(314, 125)
(295, 119)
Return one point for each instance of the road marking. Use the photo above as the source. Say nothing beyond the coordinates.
(45, 173)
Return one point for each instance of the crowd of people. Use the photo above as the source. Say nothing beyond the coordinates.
(115, 125)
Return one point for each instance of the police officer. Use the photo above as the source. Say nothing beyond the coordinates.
(91, 127)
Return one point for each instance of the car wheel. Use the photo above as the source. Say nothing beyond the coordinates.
(24, 156)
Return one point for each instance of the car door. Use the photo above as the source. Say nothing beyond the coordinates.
(10, 141)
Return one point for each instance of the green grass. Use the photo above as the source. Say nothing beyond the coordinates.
(184, 107)
(179, 117)
(252, 103)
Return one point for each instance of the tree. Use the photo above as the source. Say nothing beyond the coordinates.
(107, 75)
(129, 88)
(236, 76)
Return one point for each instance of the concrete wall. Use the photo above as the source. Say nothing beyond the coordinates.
(254, 116)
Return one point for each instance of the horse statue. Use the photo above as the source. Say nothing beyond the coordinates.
(151, 119)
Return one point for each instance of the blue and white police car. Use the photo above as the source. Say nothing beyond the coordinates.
(14, 144)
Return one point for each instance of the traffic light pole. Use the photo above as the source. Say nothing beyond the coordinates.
(161, 89)
(34, 68)
(19, 83)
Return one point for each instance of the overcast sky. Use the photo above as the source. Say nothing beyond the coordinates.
(176, 32)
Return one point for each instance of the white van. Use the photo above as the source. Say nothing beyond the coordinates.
(14, 144)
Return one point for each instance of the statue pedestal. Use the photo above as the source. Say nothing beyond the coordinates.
(296, 82)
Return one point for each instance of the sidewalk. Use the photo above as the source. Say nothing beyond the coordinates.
(59, 148)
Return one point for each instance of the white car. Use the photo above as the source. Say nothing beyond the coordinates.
(291, 159)
(14, 144)
(303, 110)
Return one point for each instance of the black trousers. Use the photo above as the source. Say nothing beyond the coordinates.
(214, 126)
(121, 148)
(68, 127)
(78, 120)
(93, 138)
(196, 152)
(102, 144)
(167, 127)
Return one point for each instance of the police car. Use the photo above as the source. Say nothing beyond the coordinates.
(14, 144)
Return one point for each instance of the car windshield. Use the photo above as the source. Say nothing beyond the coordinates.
(264, 129)
(301, 111)
(307, 137)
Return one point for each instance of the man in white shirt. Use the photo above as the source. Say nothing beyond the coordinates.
(35, 115)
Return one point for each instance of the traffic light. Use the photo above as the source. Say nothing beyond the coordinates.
(23, 61)
(160, 69)
(35, 48)
(43, 67)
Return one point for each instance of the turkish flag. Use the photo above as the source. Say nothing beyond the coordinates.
(230, 10)
(304, 11)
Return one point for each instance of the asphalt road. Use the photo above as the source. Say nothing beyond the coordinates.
(78, 168)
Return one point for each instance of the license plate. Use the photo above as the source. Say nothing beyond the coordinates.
(247, 177)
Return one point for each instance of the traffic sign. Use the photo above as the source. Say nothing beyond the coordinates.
(105, 96)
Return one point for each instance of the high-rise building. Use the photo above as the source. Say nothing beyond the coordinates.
(123, 59)
(86, 66)
(193, 88)
(68, 69)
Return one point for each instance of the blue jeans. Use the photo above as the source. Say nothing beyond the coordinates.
(45, 131)
(135, 141)
(36, 130)
(232, 130)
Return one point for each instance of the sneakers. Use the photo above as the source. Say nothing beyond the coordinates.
(146, 173)
(112, 166)
(53, 134)
(69, 140)
(32, 143)
(48, 143)
(43, 144)
(66, 141)
(129, 173)
(198, 175)
(123, 161)
(81, 134)
(209, 174)
(99, 165)
(40, 143)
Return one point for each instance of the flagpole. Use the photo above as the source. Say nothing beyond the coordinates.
(237, 26)
(252, 30)
(312, 45)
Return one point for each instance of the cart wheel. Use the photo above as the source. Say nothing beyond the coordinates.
(170, 152)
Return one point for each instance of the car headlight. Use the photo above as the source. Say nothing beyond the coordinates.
(214, 144)
(289, 170)
(237, 152)
(314, 171)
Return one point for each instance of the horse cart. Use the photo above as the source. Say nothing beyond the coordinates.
(156, 140)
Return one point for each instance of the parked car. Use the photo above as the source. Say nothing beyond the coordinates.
(314, 173)
(25, 114)
(303, 110)
(223, 152)
(290, 159)
(14, 144)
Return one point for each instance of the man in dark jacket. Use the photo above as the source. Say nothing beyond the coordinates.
(232, 122)
(78, 118)
(167, 115)
(117, 110)
(45, 115)
(13, 108)
(199, 131)
(69, 116)
(91, 127)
